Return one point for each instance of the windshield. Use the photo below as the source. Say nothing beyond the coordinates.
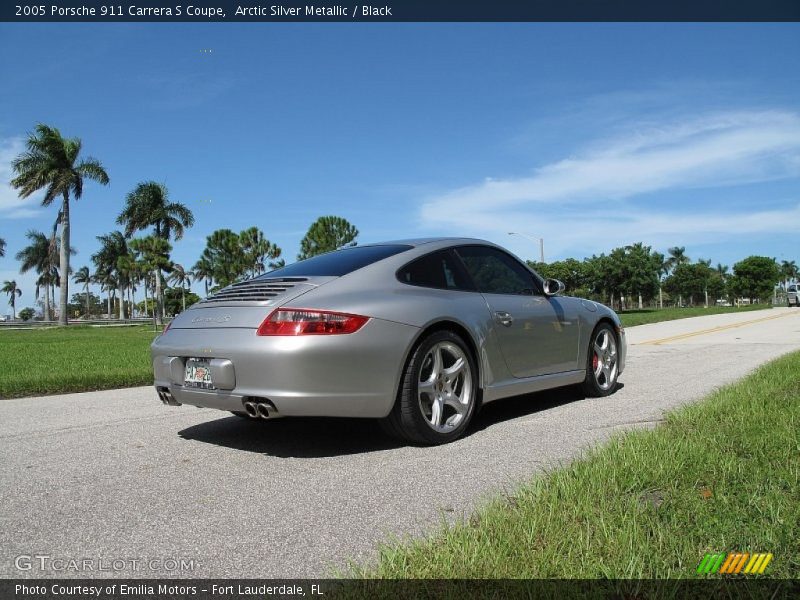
(337, 263)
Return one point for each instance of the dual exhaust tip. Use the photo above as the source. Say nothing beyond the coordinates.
(166, 397)
(260, 408)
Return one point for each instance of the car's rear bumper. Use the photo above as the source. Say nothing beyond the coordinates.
(352, 375)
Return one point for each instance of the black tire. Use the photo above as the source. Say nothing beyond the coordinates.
(591, 386)
(407, 422)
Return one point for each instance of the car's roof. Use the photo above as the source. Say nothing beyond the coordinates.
(429, 240)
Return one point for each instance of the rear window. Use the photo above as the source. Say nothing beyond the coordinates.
(792, 288)
(338, 263)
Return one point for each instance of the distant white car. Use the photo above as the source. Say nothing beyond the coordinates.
(793, 295)
(4, 318)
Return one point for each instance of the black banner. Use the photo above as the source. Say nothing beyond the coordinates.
(403, 11)
(419, 589)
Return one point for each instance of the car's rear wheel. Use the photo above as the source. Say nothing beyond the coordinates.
(602, 362)
(438, 393)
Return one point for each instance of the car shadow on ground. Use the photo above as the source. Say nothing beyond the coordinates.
(321, 437)
(293, 437)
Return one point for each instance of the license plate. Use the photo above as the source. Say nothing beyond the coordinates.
(198, 373)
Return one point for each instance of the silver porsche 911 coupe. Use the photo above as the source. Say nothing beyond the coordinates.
(416, 333)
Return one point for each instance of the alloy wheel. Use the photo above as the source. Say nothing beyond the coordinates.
(604, 359)
(444, 388)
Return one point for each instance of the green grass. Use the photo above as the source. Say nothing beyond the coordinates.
(73, 359)
(721, 475)
(655, 315)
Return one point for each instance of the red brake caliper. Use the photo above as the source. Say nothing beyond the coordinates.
(595, 360)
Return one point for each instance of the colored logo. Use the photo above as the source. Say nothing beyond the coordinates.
(734, 563)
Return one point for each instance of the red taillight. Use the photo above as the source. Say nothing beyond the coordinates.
(301, 321)
(166, 327)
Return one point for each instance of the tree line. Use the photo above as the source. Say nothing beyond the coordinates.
(126, 263)
(637, 276)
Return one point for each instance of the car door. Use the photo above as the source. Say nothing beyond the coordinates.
(538, 335)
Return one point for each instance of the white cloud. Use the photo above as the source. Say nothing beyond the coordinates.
(11, 206)
(718, 150)
(592, 199)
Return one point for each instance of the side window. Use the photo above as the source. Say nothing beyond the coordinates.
(495, 272)
(436, 270)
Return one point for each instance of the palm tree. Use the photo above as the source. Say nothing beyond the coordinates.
(125, 274)
(83, 276)
(112, 246)
(147, 281)
(2, 247)
(153, 252)
(105, 281)
(677, 256)
(128, 273)
(10, 288)
(180, 278)
(41, 255)
(38, 256)
(51, 163)
(141, 275)
(203, 271)
(55, 276)
(43, 282)
(148, 206)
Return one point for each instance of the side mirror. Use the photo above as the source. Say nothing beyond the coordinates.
(553, 287)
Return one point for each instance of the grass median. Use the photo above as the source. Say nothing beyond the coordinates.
(634, 317)
(74, 359)
(722, 475)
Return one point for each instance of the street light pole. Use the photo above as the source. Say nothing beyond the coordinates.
(533, 239)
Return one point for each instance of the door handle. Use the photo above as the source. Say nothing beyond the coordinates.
(503, 318)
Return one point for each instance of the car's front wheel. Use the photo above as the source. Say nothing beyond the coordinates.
(438, 393)
(602, 363)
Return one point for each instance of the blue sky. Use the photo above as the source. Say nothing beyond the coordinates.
(590, 135)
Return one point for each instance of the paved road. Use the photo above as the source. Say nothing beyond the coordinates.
(116, 475)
